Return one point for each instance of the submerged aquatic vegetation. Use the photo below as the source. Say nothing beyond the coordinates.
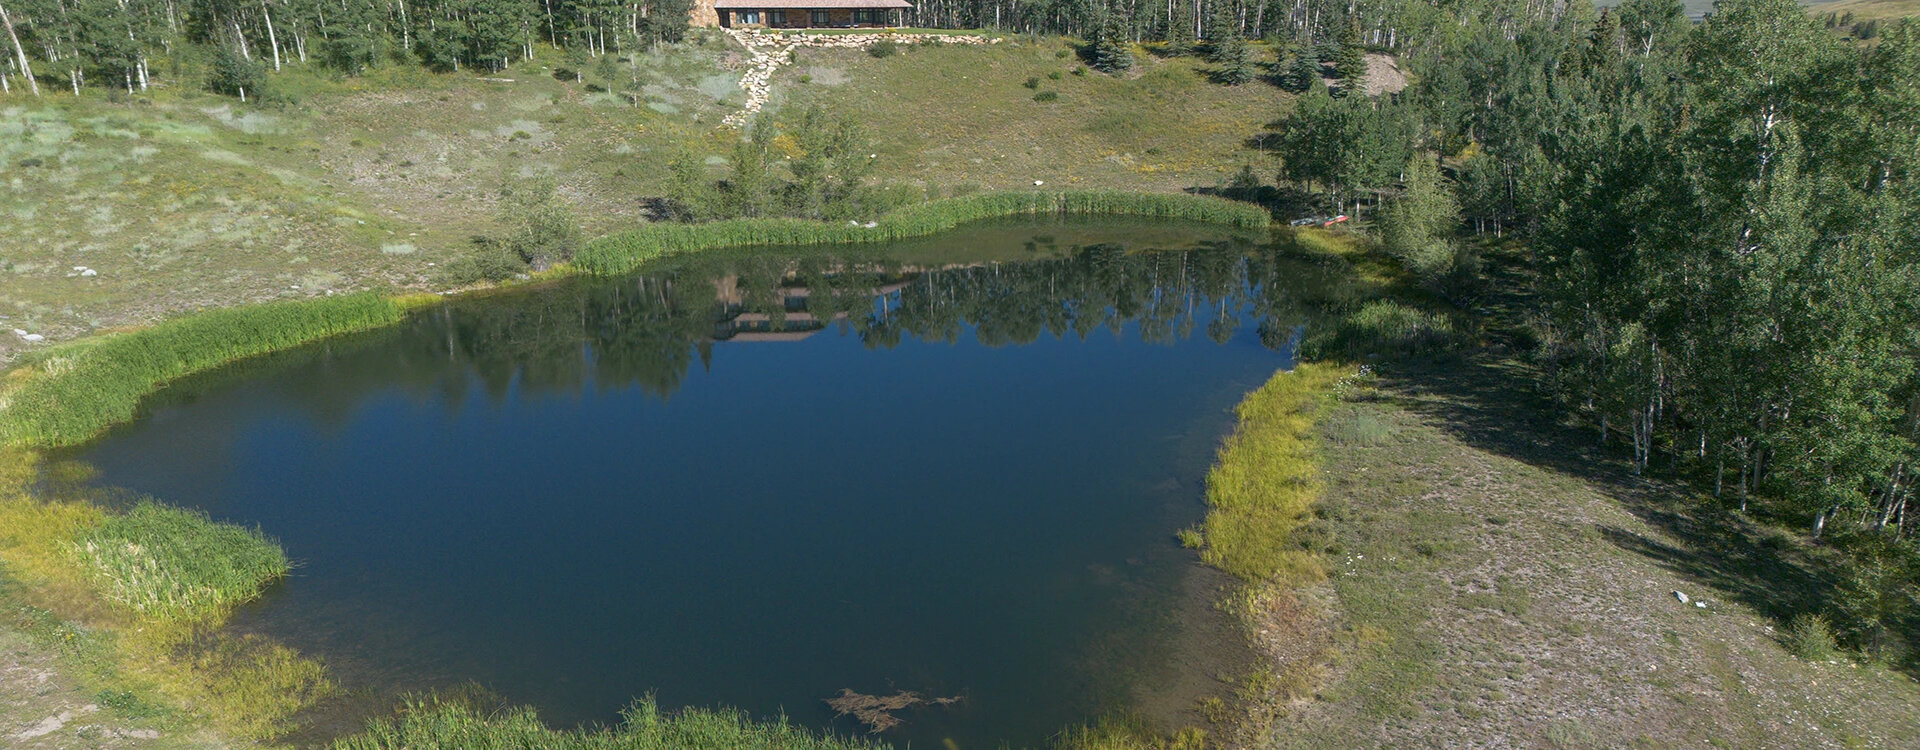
(878, 712)
(625, 251)
(440, 722)
(71, 392)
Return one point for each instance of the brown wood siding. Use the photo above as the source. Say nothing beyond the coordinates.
(802, 18)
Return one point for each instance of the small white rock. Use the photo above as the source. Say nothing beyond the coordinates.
(1038, 183)
(1682, 597)
(1702, 605)
(89, 272)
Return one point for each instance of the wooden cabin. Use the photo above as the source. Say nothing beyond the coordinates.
(809, 14)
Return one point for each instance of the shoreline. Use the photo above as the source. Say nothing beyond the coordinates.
(387, 310)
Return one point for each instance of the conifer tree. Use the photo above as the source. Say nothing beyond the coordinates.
(1110, 53)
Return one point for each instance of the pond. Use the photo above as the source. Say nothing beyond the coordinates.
(762, 478)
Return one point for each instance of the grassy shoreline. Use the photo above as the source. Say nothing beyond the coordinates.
(72, 392)
(152, 585)
(625, 251)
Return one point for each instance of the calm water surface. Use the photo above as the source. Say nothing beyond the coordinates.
(756, 479)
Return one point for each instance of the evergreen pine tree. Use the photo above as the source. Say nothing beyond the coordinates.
(1303, 70)
(1110, 53)
(1179, 32)
(1235, 60)
(1351, 65)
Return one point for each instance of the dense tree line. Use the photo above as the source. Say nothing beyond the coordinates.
(1720, 218)
(115, 42)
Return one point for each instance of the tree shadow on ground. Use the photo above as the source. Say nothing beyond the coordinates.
(1490, 400)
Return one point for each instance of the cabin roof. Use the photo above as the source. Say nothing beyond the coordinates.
(809, 4)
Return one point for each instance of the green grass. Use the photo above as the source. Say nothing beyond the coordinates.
(947, 115)
(1389, 327)
(133, 602)
(1265, 484)
(69, 393)
(439, 723)
(1868, 9)
(172, 565)
(625, 251)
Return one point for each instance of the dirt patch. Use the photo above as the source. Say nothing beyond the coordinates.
(1384, 76)
(41, 706)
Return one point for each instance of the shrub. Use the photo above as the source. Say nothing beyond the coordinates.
(490, 261)
(1384, 327)
(1810, 637)
(234, 75)
(1033, 82)
(1053, 75)
(542, 230)
(884, 48)
(1047, 96)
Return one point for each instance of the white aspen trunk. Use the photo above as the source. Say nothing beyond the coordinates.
(273, 40)
(20, 53)
(245, 54)
(144, 78)
(5, 86)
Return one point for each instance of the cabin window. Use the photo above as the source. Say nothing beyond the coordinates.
(875, 17)
(822, 18)
(776, 18)
(748, 16)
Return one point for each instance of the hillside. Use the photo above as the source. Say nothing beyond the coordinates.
(1868, 9)
(183, 199)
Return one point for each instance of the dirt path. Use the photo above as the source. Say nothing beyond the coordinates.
(1500, 583)
(41, 706)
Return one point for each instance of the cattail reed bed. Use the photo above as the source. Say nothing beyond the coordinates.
(626, 251)
(70, 393)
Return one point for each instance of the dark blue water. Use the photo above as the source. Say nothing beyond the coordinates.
(954, 467)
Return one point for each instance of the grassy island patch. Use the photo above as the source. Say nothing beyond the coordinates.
(172, 564)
